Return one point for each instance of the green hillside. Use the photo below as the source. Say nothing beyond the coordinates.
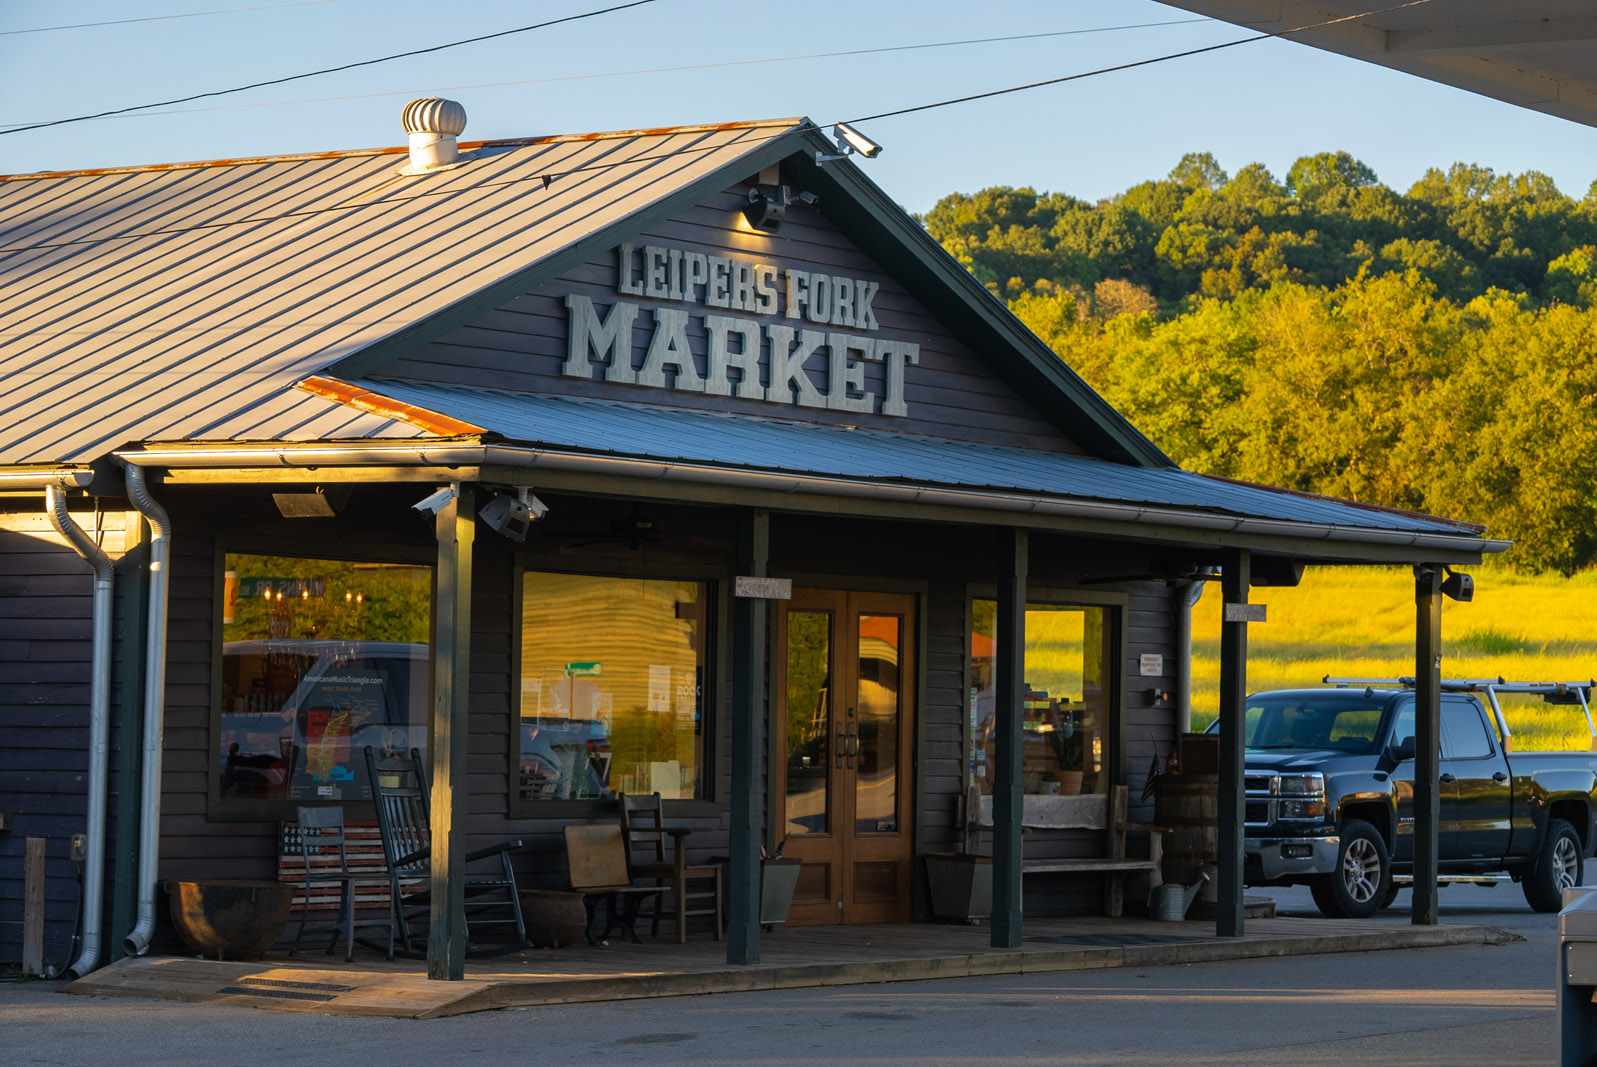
(1428, 349)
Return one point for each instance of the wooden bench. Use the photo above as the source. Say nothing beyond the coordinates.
(363, 844)
(1093, 811)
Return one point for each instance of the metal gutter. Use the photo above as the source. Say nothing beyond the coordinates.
(137, 942)
(44, 478)
(93, 904)
(1018, 504)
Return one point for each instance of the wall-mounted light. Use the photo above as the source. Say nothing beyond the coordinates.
(513, 516)
(764, 211)
(768, 205)
(1458, 586)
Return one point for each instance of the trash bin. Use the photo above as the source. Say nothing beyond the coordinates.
(1577, 977)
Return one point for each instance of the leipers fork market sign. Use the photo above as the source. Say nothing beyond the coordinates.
(818, 331)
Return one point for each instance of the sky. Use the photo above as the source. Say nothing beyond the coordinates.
(1269, 102)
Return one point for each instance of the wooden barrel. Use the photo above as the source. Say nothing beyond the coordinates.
(1189, 804)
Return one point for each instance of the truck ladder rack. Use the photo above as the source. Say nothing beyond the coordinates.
(1571, 693)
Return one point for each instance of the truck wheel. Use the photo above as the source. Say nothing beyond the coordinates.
(1391, 895)
(1558, 867)
(1363, 875)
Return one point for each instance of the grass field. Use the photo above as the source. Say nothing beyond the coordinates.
(1353, 621)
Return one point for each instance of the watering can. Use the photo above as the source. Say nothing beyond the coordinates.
(1169, 902)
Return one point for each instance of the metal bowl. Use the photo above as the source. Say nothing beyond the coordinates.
(232, 919)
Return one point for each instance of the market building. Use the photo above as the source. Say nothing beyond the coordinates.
(676, 461)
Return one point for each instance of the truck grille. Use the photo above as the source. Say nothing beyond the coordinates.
(1258, 810)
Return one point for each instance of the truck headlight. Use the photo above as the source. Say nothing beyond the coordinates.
(1301, 809)
(1303, 785)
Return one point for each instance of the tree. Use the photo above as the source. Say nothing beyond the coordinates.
(1311, 177)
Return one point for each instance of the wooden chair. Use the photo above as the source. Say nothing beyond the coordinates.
(402, 795)
(643, 825)
(597, 858)
(318, 837)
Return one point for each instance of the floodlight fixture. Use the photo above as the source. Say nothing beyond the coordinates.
(1458, 586)
(513, 516)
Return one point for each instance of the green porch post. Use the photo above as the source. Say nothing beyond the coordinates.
(446, 931)
(748, 744)
(1427, 739)
(1009, 691)
(1235, 577)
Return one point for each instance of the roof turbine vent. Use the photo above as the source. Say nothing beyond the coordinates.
(433, 124)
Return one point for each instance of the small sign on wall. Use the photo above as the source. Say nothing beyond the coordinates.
(1150, 665)
(763, 588)
(1244, 613)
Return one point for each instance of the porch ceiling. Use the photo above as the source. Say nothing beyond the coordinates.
(1534, 53)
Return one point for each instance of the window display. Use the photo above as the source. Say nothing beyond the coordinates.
(320, 658)
(612, 687)
(1066, 703)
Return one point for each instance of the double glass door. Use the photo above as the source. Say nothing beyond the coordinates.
(845, 727)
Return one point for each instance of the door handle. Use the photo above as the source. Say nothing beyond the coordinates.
(1499, 777)
(1448, 778)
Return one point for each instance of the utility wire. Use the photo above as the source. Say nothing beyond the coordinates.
(548, 178)
(676, 69)
(330, 70)
(1137, 63)
(163, 18)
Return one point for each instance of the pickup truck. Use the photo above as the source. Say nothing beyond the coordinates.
(1329, 779)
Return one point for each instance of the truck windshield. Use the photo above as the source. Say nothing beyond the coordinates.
(1345, 722)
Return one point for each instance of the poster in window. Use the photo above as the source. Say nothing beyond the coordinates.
(335, 708)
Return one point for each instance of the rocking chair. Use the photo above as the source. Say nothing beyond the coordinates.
(402, 795)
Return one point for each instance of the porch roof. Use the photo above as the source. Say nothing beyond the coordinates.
(749, 443)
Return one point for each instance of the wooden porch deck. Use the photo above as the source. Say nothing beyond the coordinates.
(790, 958)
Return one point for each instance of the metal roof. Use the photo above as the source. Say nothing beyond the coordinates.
(184, 302)
(618, 428)
(1534, 53)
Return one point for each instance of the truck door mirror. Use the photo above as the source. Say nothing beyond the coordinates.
(1396, 753)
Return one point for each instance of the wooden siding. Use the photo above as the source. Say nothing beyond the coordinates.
(952, 392)
(46, 633)
(942, 563)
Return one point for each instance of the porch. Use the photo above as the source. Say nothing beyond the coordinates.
(791, 958)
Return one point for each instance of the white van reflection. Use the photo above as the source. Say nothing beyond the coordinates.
(296, 714)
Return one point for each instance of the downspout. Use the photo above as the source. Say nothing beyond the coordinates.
(55, 502)
(137, 943)
(1191, 593)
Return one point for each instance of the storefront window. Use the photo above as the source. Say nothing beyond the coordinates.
(1069, 682)
(612, 687)
(320, 658)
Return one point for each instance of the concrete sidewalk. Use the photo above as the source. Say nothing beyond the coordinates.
(791, 959)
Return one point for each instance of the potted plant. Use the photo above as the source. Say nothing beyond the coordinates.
(1065, 741)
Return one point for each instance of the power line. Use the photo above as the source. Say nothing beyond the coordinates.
(163, 18)
(330, 70)
(680, 68)
(548, 178)
(1137, 63)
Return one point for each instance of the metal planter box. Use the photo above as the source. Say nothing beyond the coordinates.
(962, 885)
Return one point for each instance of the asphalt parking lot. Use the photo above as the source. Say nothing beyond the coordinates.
(1471, 1005)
